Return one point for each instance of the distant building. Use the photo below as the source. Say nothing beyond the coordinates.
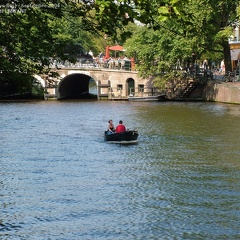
(234, 43)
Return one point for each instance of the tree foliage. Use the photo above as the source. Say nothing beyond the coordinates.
(181, 28)
(32, 32)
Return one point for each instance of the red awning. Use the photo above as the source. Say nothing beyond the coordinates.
(112, 48)
(116, 48)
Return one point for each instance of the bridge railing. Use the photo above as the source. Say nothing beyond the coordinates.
(120, 65)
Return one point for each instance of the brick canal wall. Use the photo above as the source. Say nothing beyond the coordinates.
(226, 92)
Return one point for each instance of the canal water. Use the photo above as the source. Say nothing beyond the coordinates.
(59, 180)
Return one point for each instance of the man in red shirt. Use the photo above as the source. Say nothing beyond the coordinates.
(120, 127)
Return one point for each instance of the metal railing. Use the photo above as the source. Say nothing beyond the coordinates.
(95, 63)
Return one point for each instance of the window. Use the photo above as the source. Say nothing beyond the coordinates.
(141, 88)
(119, 87)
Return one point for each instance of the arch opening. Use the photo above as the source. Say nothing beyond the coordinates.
(130, 86)
(77, 86)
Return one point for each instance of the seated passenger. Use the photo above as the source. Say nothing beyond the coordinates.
(120, 127)
(111, 128)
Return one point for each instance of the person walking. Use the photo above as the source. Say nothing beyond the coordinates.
(222, 67)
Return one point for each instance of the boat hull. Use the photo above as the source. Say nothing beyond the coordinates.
(123, 136)
(147, 99)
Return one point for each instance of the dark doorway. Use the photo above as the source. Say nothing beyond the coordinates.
(130, 86)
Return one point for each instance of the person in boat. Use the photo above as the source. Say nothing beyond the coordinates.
(111, 128)
(120, 127)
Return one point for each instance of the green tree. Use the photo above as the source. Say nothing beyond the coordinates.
(26, 42)
(31, 33)
(181, 29)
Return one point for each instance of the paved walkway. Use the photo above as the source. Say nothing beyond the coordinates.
(220, 78)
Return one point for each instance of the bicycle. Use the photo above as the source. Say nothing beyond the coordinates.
(231, 76)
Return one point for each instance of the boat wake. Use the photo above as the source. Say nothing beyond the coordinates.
(133, 142)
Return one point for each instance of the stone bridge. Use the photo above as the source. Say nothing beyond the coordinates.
(72, 83)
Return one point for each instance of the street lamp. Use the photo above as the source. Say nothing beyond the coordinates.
(239, 70)
(194, 64)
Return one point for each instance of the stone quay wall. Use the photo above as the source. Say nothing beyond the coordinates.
(225, 92)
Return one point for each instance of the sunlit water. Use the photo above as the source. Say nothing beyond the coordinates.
(60, 180)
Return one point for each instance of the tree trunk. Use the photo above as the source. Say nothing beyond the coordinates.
(227, 56)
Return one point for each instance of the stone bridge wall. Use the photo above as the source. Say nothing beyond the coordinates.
(107, 81)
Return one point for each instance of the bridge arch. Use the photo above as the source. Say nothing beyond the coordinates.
(76, 86)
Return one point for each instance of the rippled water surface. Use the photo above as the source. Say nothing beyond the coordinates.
(60, 180)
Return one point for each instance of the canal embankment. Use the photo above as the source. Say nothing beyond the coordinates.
(219, 91)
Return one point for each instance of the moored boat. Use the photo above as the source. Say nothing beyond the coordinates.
(130, 135)
(161, 97)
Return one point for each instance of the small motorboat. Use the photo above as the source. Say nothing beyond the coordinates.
(147, 98)
(130, 135)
